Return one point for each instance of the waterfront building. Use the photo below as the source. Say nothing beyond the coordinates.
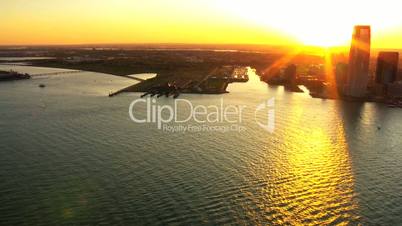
(341, 72)
(290, 74)
(399, 76)
(359, 59)
(387, 67)
(394, 90)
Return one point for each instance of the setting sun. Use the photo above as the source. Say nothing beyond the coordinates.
(324, 36)
(319, 23)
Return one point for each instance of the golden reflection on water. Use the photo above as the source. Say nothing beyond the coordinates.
(310, 181)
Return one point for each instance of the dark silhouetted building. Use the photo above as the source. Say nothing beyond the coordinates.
(387, 67)
(290, 73)
(394, 90)
(341, 73)
(399, 76)
(359, 59)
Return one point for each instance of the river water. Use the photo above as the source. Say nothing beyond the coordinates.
(70, 155)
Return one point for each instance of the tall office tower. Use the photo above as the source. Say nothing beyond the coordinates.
(341, 72)
(359, 59)
(387, 67)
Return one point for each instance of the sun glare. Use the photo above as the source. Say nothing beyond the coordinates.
(324, 36)
(315, 23)
(322, 23)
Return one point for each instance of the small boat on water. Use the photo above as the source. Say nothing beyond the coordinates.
(42, 85)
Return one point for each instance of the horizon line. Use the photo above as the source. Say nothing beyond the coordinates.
(172, 44)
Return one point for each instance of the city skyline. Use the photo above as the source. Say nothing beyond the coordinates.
(307, 22)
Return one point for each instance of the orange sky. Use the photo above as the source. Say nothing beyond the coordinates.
(310, 22)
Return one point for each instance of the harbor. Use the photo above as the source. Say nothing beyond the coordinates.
(214, 82)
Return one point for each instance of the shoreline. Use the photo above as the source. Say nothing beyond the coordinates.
(13, 76)
(145, 86)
